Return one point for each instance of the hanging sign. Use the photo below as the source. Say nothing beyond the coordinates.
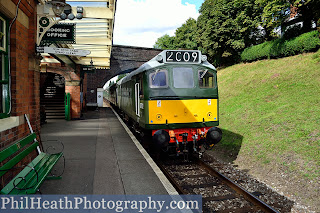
(87, 68)
(63, 51)
(60, 33)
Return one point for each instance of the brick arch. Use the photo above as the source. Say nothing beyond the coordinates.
(66, 72)
(72, 85)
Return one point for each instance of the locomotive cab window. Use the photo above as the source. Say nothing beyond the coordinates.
(183, 77)
(158, 79)
(206, 79)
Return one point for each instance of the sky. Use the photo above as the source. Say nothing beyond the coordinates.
(141, 22)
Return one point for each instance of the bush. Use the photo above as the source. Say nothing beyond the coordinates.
(306, 42)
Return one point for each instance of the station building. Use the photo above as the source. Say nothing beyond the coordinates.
(30, 75)
(38, 73)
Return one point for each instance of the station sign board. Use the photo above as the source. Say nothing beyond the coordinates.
(60, 33)
(63, 51)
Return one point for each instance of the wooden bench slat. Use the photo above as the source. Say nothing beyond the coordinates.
(28, 180)
(11, 163)
(44, 171)
(4, 154)
(9, 187)
(43, 164)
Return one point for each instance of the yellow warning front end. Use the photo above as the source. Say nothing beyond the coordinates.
(183, 111)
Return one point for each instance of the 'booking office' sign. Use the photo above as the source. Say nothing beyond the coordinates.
(60, 32)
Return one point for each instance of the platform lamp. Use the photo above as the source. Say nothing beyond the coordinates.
(57, 6)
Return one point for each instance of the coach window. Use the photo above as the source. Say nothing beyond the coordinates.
(158, 79)
(4, 75)
(183, 77)
(206, 79)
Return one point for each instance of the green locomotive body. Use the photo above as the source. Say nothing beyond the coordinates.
(174, 96)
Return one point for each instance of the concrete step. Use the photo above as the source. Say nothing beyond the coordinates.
(55, 114)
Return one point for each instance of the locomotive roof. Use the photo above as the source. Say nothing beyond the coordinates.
(154, 62)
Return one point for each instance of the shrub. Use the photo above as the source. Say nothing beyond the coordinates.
(306, 42)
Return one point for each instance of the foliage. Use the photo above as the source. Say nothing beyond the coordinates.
(165, 42)
(226, 27)
(276, 14)
(185, 35)
(280, 48)
(121, 76)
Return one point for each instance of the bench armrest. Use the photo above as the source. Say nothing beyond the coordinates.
(52, 147)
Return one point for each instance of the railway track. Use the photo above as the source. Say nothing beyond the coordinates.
(220, 194)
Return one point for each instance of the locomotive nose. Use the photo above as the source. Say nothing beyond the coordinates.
(214, 135)
(161, 138)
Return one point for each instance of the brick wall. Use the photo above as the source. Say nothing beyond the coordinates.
(123, 58)
(25, 75)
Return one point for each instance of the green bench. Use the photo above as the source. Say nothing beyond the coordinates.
(30, 178)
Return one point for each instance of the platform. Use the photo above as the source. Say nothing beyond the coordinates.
(101, 158)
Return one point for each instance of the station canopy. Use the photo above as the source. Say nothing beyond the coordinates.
(93, 32)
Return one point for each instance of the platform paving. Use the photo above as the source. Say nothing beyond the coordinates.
(100, 158)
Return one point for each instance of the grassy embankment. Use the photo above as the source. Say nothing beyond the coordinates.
(270, 113)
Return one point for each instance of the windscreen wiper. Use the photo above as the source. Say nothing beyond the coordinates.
(204, 73)
(155, 74)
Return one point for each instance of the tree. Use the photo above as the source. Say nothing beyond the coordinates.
(185, 36)
(276, 14)
(165, 42)
(226, 27)
(310, 13)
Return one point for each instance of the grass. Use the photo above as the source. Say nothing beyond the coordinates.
(270, 112)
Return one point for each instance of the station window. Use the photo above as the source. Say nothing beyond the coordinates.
(158, 79)
(4, 76)
(206, 79)
(183, 77)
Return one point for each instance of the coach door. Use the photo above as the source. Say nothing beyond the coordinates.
(137, 98)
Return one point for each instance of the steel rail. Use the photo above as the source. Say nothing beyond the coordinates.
(249, 196)
(179, 189)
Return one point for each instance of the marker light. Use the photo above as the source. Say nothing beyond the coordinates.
(159, 58)
(204, 58)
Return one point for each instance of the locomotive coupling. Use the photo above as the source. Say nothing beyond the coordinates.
(214, 135)
(161, 138)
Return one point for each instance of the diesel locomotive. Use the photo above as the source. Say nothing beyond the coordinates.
(174, 98)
